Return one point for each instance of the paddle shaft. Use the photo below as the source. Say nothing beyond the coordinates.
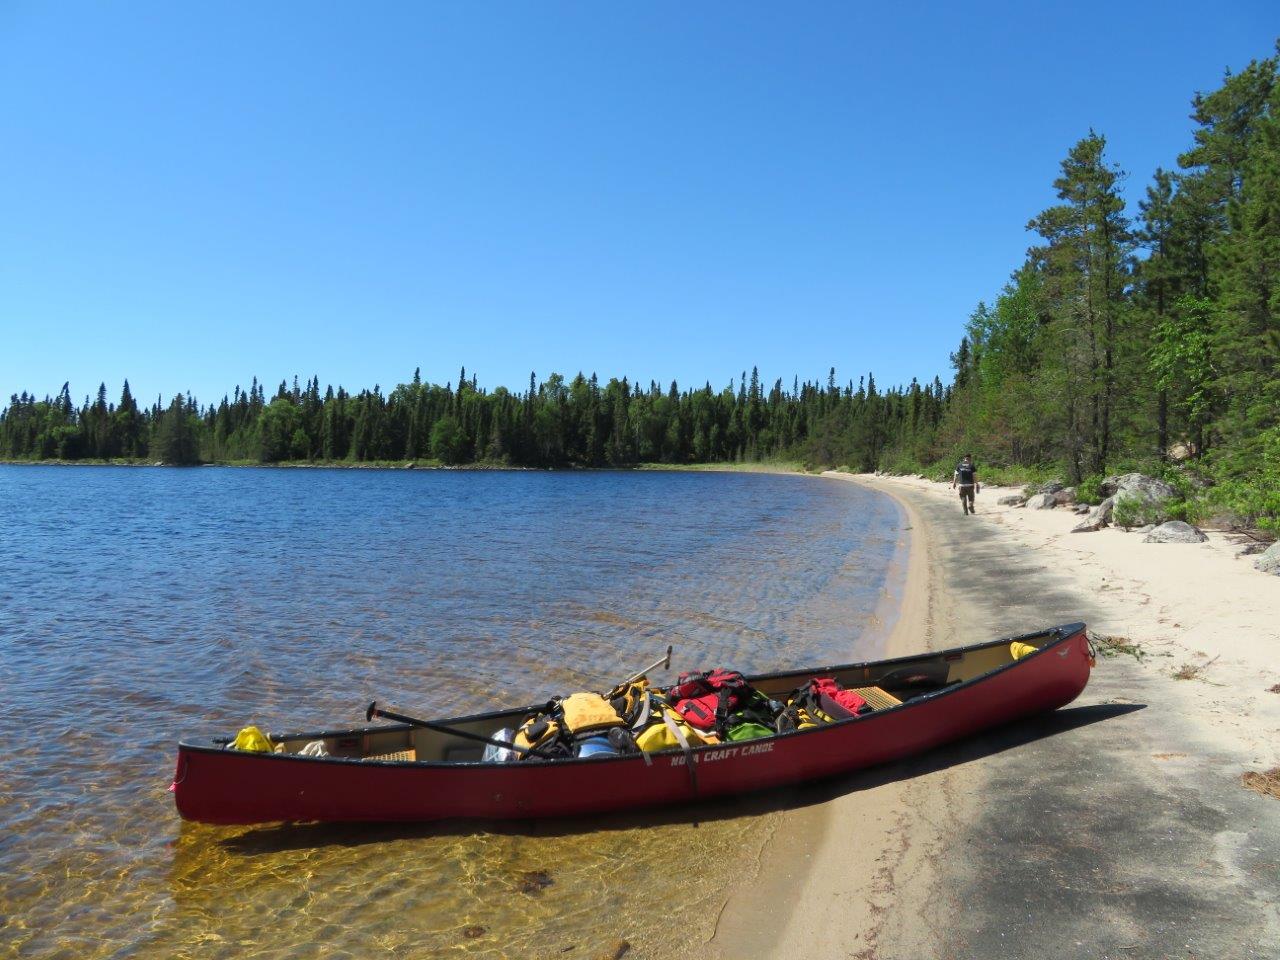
(373, 711)
(663, 662)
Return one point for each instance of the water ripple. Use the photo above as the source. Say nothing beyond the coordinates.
(138, 605)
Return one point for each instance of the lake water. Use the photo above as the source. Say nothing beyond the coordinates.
(138, 605)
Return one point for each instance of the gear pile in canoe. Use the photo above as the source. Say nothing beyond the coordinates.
(711, 733)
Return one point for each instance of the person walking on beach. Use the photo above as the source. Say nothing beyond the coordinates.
(966, 477)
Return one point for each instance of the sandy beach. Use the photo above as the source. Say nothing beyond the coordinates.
(1115, 827)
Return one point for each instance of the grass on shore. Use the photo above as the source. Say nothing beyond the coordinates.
(750, 466)
(941, 472)
(1192, 671)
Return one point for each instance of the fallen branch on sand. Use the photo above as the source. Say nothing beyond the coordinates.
(1113, 646)
(1267, 784)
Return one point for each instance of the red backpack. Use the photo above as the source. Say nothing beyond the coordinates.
(835, 700)
(704, 698)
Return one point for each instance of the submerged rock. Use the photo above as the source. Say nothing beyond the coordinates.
(1175, 531)
(534, 881)
(619, 950)
(1269, 561)
(1042, 501)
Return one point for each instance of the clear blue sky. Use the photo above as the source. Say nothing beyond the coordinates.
(194, 194)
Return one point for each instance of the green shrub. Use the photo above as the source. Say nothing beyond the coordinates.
(901, 466)
(1180, 479)
(1089, 490)
(1198, 511)
(1245, 503)
(1248, 488)
(939, 472)
(1134, 511)
(1017, 476)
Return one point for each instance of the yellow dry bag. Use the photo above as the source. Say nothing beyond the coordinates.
(588, 713)
(661, 736)
(253, 740)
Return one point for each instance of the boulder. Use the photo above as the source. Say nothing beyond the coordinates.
(1080, 508)
(1065, 496)
(1175, 531)
(1042, 501)
(1098, 517)
(1052, 486)
(1142, 497)
(1012, 500)
(1269, 561)
(1138, 485)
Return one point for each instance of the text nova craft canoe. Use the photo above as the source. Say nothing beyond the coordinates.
(407, 773)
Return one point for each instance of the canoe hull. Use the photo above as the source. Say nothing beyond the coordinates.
(214, 785)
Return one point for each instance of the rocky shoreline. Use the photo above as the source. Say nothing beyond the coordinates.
(1072, 835)
(1134, 502)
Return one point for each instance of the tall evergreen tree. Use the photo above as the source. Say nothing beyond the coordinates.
(1085, 263)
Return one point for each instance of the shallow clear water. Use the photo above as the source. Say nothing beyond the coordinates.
(139, 605)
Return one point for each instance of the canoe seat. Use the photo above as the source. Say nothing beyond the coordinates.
(876, 698)
(410, 756)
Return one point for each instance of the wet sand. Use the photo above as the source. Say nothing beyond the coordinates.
(1114, 827)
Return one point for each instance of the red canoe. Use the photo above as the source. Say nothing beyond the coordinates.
(404, 772)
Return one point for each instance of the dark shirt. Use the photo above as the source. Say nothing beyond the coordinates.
(966, 474)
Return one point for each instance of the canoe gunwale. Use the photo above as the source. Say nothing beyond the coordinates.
(1061, 634)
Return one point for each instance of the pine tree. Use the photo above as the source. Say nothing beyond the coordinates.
(1085, 264)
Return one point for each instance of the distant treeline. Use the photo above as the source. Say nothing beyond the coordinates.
(1117, 343)
(554, 423)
